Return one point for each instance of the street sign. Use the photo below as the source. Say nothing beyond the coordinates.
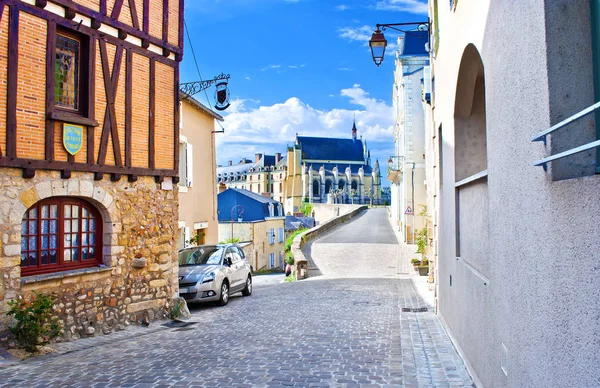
(408, 211)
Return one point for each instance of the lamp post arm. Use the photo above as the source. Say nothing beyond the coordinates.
(421, 26)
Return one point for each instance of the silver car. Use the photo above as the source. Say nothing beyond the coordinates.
(211, 273)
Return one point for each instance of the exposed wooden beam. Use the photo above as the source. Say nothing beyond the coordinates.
(134, 15)
(180, 38)
(91, 100)
(116, 11)
(50, 79)
(128, 105)
(82, 167)
(13, 69)
(103, 18)
(146, 17)
(151, 119)
(176, 121)
(165, 26)
(110, 118)
(103, 9)
(92, 31)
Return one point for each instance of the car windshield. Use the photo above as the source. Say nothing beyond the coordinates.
(200, 256)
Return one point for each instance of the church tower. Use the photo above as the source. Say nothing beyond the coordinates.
(354, 130)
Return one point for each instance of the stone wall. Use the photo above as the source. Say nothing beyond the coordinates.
(140, 220)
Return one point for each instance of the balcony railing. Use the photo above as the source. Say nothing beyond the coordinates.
(396, 163)
(542, 137)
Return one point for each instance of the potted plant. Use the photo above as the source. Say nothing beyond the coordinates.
(424, 267)
(415, 262)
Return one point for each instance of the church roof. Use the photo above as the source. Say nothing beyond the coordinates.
(324, 148)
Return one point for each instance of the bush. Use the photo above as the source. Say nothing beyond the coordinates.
(307, 209)
(289, 258)
(290, 240)
(231, 240)
(35, 325)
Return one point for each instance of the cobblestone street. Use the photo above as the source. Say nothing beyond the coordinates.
(345, 328)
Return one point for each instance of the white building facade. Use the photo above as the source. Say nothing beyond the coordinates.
(406, 169)
(518, 246)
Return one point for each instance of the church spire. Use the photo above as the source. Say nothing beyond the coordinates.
(354, 129)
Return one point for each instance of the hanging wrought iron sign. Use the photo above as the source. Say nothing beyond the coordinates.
(221, 92)
(222, 96)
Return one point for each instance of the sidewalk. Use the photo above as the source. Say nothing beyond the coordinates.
(405, 269)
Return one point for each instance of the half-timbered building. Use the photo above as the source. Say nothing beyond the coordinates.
(88, 162)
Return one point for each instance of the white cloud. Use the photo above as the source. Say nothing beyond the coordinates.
(345, 69)
(268, 129)
(248, 78)
(342, 7)
(361, 34)
(412, 6)
(296, 66)
(332, 95)
(270, 67)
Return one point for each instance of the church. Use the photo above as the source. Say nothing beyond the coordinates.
(331, 170)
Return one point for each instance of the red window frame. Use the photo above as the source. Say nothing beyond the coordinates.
(81, 236)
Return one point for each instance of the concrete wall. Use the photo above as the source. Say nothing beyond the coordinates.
(529, 281)
(325, 212)
(198, 203)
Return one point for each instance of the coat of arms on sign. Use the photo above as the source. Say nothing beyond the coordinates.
(72, 138)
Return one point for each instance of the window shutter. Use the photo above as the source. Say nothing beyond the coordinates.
(189, 163)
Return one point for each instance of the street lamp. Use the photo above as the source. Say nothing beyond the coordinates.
(378, 42)
(239, 217)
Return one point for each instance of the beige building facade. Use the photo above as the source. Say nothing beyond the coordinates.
(517, 207)
(263, 242)
(197, 172)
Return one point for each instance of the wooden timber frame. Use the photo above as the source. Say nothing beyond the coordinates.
(124, 52)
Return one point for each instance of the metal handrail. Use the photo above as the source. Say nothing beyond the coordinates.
(542, 137)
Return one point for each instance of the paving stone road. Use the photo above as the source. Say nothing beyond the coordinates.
(345, 328)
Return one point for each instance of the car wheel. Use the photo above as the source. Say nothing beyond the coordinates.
(248, 290)
(224, 298)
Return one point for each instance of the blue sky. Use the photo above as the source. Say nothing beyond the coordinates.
(296, 66)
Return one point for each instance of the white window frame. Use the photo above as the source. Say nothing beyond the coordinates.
(271, 209)
(186, 164)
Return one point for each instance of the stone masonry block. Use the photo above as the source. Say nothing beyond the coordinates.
(59, 188)
(86, 188)
(16, 213)
(44, 189)
(146, 305)
(99, 194)
(12, 250)
(29, 197)
(73, 187)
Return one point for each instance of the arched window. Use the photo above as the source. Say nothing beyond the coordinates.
(59, 234)
(354, 185)
(316, 188)
(341, 184)
(280, 209)
(271, 210)
(327, 186)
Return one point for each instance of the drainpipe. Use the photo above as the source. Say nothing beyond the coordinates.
(412, 182)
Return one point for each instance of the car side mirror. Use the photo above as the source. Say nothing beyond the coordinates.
(227, 262)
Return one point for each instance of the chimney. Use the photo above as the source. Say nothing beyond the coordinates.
(257, 157)
(222, 187)
(243, 161)
(277, 157)
(229, 163)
